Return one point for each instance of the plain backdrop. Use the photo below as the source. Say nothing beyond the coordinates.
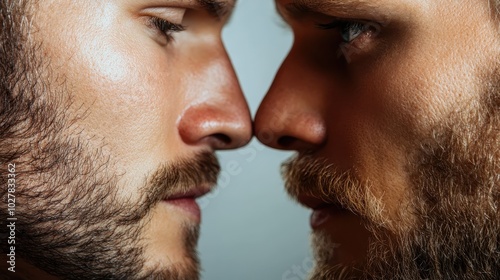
(251, 230)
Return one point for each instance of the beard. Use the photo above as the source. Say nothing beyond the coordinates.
(72, 220)
(76, 226)
(453, 208)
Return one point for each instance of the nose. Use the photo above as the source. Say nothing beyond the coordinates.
(217, 113)
(291, 115)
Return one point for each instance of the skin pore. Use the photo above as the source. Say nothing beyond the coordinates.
(393, 107)
(111, 111)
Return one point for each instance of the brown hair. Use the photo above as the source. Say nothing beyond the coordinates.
(11, 45)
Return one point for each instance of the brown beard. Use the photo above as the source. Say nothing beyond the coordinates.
(455, 198)
(72, 221)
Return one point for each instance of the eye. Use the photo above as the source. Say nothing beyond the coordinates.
(165, 27)
(350, 30)
(356, 36)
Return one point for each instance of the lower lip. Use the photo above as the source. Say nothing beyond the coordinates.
(188, 205)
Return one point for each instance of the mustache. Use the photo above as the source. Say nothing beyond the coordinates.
(184, 176)
(306, 175)
(310, 176)
(177, 178)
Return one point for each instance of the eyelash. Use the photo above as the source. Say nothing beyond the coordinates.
(345, 25)
(166, 27)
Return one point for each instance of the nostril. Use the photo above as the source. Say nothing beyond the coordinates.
(223, 138)
(286, 141)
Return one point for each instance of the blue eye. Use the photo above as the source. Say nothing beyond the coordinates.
(349, 30)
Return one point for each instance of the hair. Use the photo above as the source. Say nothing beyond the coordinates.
(14, 31)
(495, 9)
(16, 67)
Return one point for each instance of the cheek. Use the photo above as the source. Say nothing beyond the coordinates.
(113, 84)
(430, 71)
(407, 95)
(400, 104)
(120, 80)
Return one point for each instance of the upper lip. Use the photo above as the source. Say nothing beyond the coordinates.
(193, 193)
(315, 203)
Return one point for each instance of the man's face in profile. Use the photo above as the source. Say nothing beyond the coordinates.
(111, 111)
(394, 109)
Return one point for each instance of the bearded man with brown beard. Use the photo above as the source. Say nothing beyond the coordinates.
(394, 109)
(110, 114)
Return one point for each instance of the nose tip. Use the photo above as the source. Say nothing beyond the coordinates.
(284, 130)
(221, 127)
(293, 114)
(218, 114)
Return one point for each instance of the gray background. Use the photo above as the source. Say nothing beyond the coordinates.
(251, 230)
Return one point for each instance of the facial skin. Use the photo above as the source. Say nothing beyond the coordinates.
(396, 121)
(112, 125)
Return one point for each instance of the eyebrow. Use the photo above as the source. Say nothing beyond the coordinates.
(297, 9)
(217, 8)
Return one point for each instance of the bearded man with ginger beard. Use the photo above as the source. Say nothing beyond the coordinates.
(394, 109)
(111, 112)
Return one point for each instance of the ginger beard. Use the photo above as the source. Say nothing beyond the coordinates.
(73, 220)
(454, 202)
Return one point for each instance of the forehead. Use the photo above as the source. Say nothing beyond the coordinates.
(339, 5)
(353, 5)
(341, 8)
(394, 10)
